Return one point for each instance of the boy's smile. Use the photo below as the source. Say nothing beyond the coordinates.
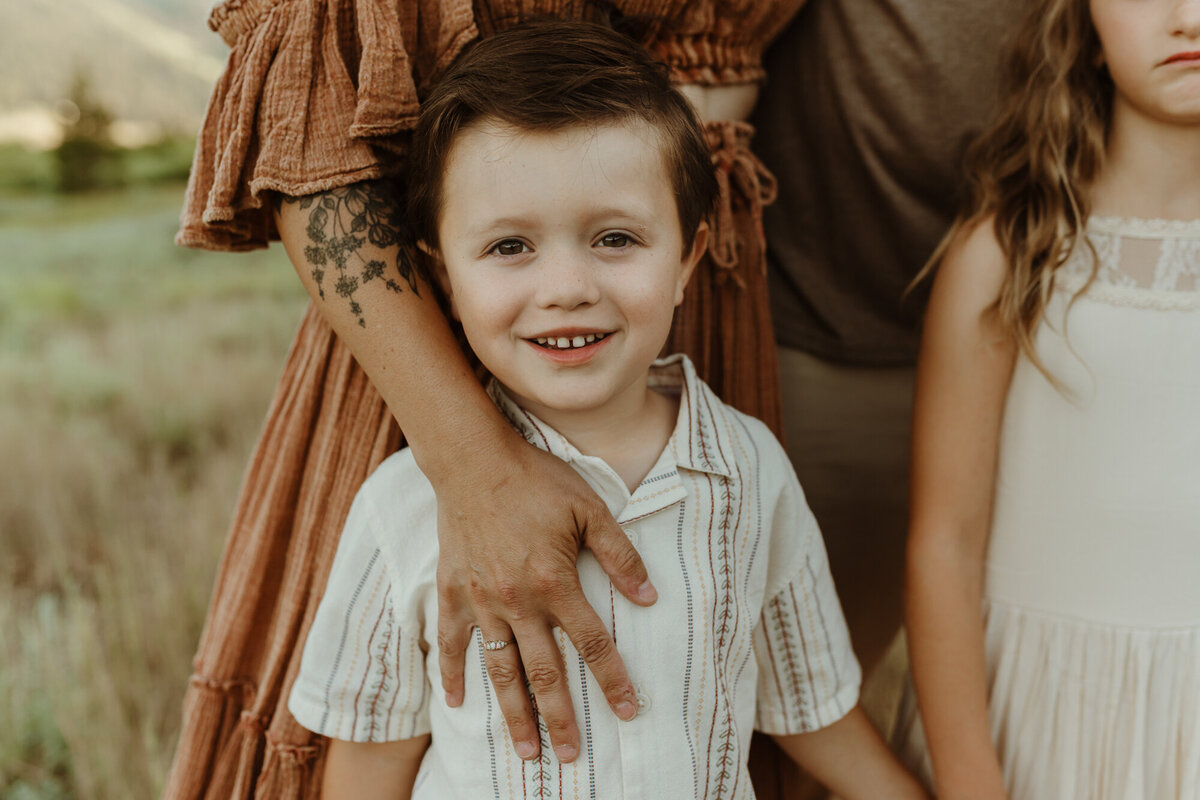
(565, 261)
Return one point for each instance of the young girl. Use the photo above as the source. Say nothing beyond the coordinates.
(1056, 462)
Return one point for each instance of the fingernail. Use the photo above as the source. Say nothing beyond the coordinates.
(626, 710)
(565, 752)
(526, 750)
(647, 593)
(453, 699)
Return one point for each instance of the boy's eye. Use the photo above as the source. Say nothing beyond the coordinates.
(509, 247)
(615, 240)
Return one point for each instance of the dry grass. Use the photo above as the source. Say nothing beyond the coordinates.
(133, 379)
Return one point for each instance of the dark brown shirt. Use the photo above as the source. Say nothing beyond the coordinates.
(868, 109)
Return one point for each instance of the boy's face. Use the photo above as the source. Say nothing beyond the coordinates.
(564, 259)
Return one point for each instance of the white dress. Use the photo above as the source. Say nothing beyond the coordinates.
(1092, 588)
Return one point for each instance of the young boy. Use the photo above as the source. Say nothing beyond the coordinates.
(560, 187)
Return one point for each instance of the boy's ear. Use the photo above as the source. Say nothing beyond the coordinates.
(440, 274)
(691, 259)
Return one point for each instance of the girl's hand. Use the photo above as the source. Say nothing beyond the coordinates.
(511, 522)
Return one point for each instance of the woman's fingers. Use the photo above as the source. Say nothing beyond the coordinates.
(501, 657)
(617, 557)
(522, 602)
(594, 644)
(454, 634)
(548, 682)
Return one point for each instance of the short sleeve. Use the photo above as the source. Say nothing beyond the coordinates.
(808, 676)
(316, 94)
(362, 675)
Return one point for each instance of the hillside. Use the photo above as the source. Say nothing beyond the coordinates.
(148, 61)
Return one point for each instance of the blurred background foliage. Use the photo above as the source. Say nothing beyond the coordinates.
(134, 376)
(87, 158)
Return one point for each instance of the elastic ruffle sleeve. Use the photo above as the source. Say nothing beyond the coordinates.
(362, 675)
(808, 676)
(316, 94)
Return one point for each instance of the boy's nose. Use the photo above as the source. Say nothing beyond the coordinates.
(1187, 18)
(566, 280)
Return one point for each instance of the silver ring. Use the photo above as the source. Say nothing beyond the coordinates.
(496, 644)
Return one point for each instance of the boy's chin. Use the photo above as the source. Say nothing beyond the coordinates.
(579, 398)
(546, 404)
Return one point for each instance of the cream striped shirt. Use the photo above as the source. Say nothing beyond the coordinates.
(747, 632)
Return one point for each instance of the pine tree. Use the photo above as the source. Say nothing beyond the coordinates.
(87, 158)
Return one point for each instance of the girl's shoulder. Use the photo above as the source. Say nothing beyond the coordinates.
(973, 265)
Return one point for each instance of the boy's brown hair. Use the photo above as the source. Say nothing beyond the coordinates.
(549, 75)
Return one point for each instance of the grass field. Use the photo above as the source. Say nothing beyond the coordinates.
(133, 378)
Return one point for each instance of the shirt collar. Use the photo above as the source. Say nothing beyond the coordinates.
(695, 444)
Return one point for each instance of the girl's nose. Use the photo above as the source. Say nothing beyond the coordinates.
(566, 280)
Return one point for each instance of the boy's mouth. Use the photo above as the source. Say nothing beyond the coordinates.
(568, 342)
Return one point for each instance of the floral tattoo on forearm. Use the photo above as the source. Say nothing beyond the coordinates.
(340, 222)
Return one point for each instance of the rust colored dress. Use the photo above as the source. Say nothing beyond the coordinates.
(319, 94)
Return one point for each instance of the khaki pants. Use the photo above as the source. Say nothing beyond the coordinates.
(847, 433)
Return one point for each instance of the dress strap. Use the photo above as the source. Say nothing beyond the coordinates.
(740, 176)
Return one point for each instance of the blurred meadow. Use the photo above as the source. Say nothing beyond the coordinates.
(134, 376)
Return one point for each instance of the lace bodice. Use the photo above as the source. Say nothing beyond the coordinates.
(1142, 262)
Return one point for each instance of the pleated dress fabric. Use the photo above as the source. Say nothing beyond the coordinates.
(1092, 602)
(319, 94)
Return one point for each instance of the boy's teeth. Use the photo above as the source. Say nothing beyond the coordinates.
(568, 343)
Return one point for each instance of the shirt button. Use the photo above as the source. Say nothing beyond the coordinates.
(643, 702)
(633, 536)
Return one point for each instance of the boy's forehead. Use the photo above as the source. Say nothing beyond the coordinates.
(496, 168)
(490, 139)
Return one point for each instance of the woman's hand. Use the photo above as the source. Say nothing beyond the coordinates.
(511, 518)
(511, 522)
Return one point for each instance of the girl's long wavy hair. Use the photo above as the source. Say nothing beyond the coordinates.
(1032, 167)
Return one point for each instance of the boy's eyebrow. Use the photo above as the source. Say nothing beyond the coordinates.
(636, 215)
(500, 223)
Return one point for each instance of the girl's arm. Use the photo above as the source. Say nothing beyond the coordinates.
(963, 374)
(851, 759)
(367, 770)
(511, 519)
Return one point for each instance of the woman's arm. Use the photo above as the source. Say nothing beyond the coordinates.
(367, 770)
(851, 759)
(511, 519)
(963, 375)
